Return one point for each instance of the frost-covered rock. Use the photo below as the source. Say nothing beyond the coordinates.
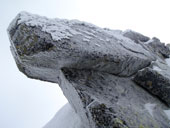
(158, 48)
(102, 72)
(135, 36)
(156, 81)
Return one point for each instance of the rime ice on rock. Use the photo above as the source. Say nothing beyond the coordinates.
(105, 74)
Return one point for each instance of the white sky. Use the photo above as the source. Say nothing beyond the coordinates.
(27, 103)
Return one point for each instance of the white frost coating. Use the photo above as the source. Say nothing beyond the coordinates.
(101, 39)
(127, 30)
(107, 39)
(65, 118)
(89, 33)
(148, 42)
(117, 57)
(97, 45)
(150, 108)
(75, 21)
(157, 68)
(64, 29)
(126, 42)
(88, 37)
(56, 27)
(86, 40)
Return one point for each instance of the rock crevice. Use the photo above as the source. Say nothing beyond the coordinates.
(109, 77)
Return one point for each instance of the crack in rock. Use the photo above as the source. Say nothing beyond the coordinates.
(108, 76)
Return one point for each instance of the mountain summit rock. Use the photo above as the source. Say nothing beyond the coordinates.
(111, 78)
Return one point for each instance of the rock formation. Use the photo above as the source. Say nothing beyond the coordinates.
(111, 78)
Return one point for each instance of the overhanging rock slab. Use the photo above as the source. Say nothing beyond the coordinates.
(95, 68)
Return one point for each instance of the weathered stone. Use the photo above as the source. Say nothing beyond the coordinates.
(94, 68)
(156, 80)
(159, 48)
(155, 83)
(136, 37)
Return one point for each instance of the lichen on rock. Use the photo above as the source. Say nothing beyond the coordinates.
(108, 76)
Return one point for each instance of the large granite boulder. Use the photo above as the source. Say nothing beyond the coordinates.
(108, 76)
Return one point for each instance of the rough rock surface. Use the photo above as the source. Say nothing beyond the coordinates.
(111, 78)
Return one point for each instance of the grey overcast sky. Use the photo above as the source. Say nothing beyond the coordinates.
(27, 103)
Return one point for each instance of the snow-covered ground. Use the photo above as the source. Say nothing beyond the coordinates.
(65, 118)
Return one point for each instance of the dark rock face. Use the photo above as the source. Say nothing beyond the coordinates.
(154, 82)
(110, 77)
(136, 37)
(159, 48)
